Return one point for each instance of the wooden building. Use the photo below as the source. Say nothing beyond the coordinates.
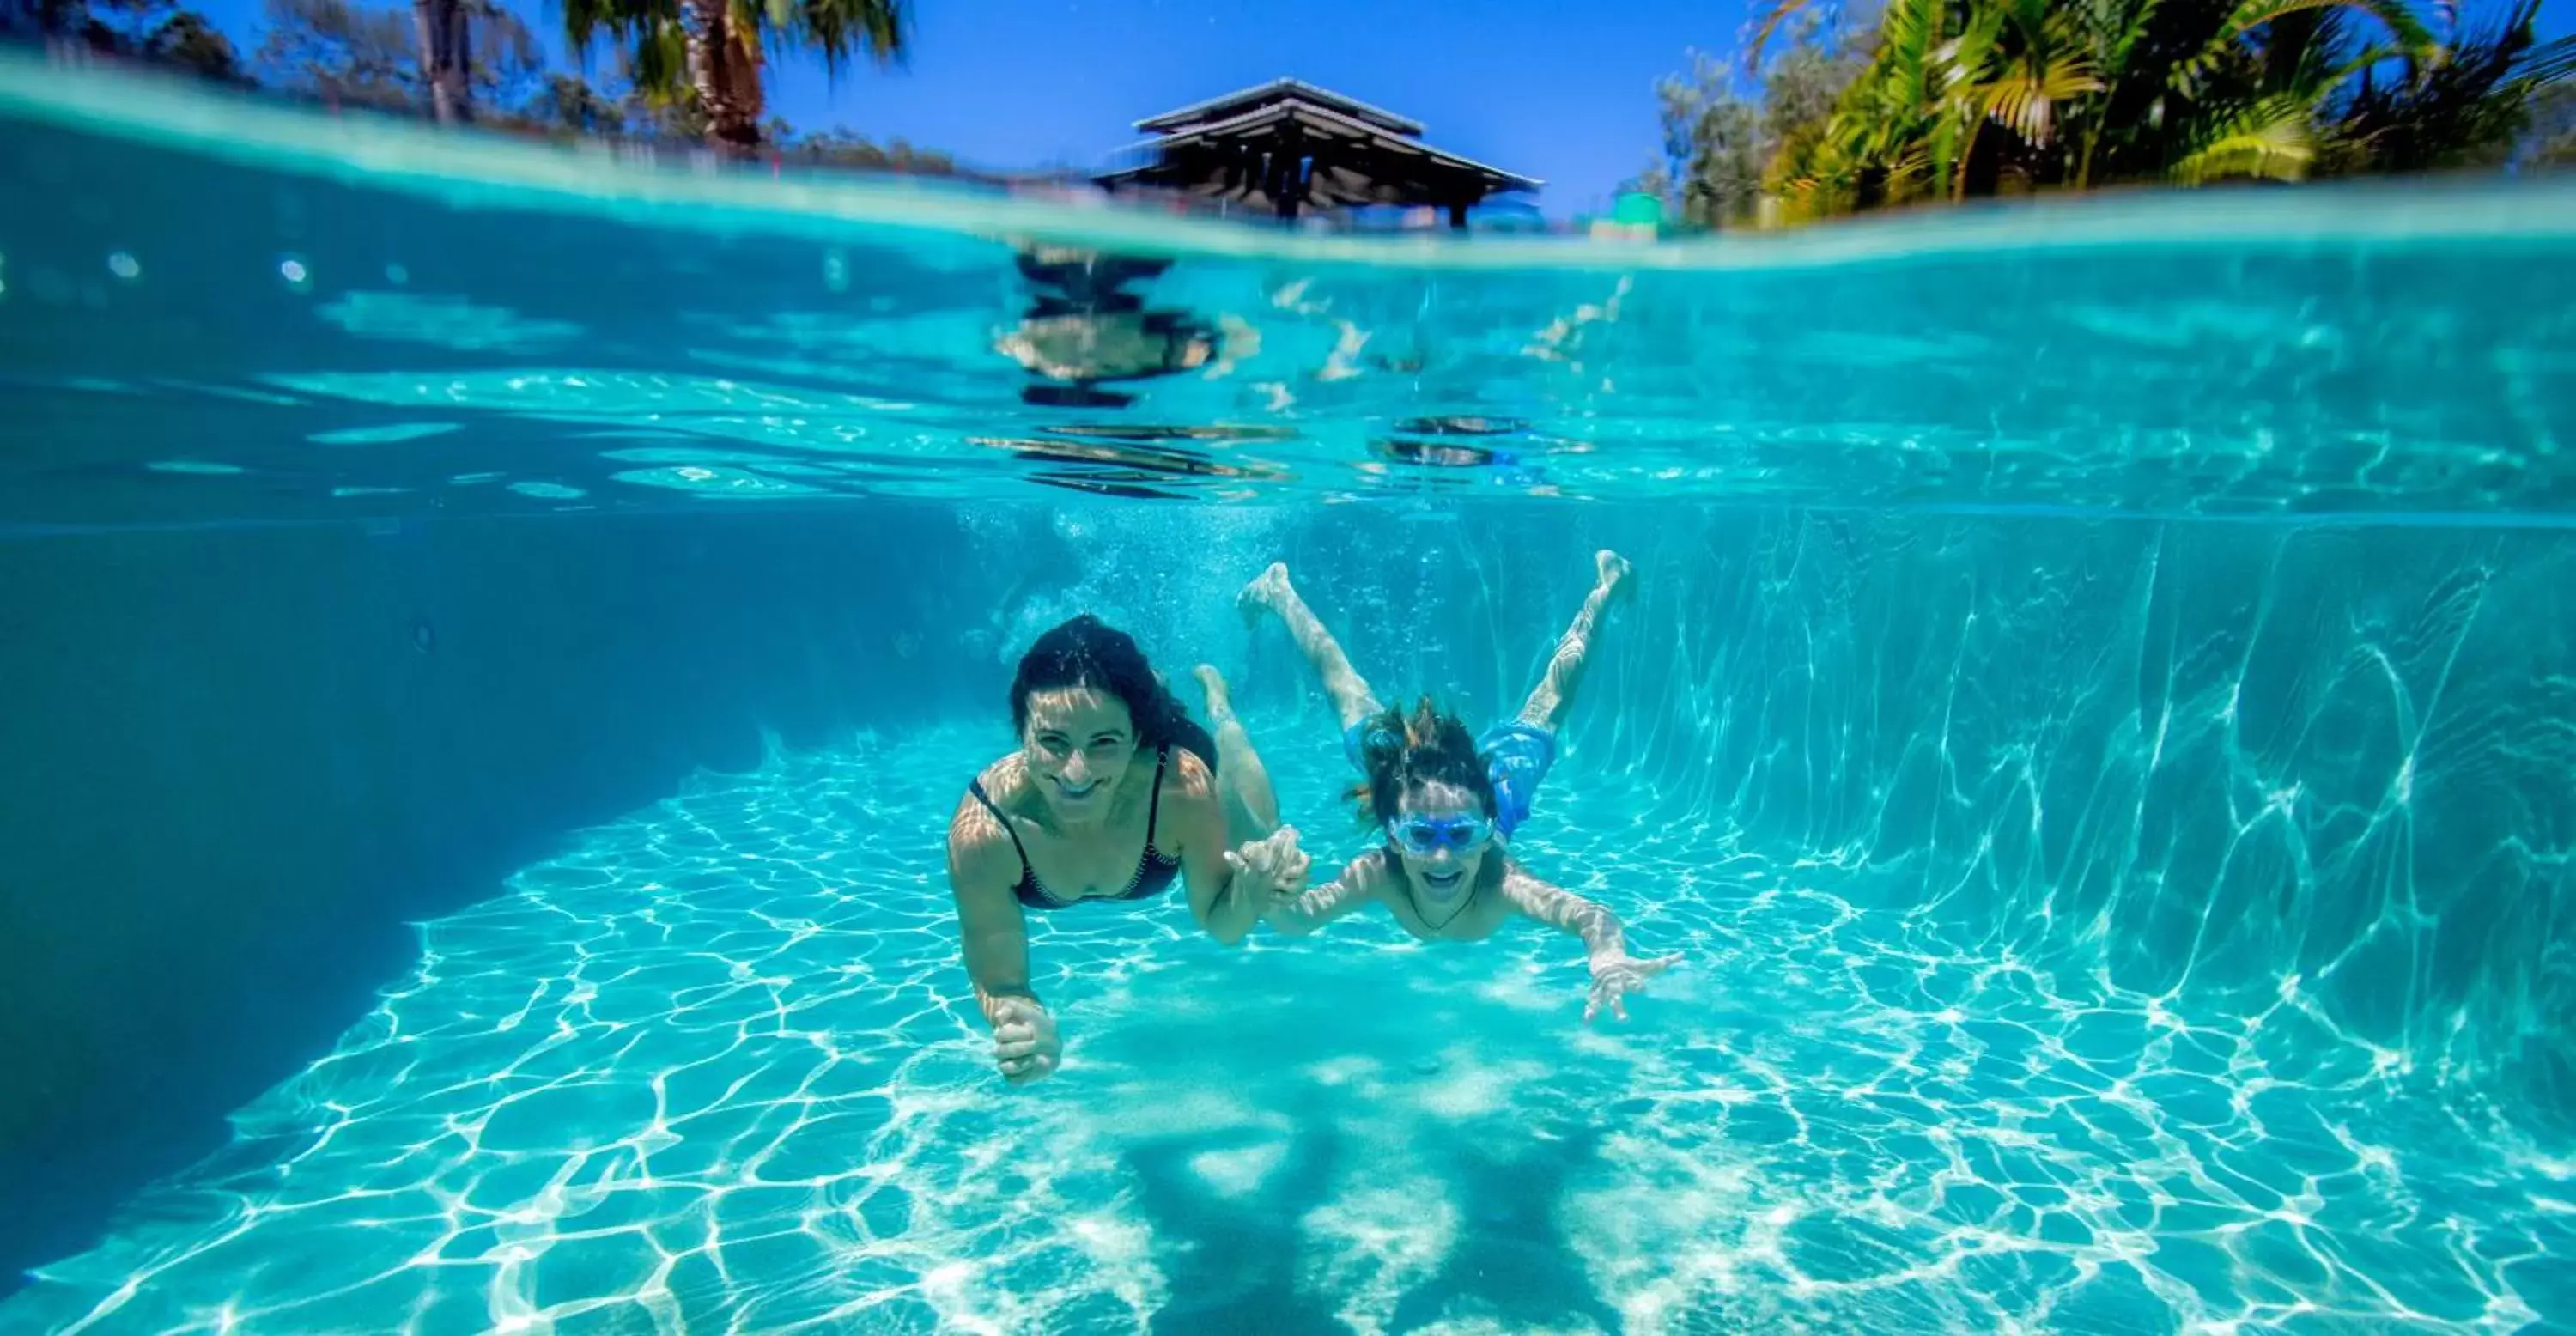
(1287, 147)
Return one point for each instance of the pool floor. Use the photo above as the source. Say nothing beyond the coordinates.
(714, 1069)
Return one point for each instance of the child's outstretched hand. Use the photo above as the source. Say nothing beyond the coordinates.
(1616, 976)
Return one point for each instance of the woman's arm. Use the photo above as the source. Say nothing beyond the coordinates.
(1222, 903)
(1615, 973)
(983, 865)
(1299, 915)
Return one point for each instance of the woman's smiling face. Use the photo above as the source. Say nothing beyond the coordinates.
(1078, 744)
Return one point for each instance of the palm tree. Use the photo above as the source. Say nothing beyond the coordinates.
(1961, 94)
(2037, 61)
(446, 54)
(2464, 107)
(1901, 130)
(710, 51)
(2197, 90)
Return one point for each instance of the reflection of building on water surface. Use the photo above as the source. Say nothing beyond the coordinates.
(1121, 461)
(1088, 326)
(1084, 326)
(1440, 442)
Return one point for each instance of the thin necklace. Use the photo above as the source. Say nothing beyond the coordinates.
(1411, 899)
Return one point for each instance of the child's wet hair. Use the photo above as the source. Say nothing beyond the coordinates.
(1428, 746)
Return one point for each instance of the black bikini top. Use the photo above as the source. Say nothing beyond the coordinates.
(1154, 871)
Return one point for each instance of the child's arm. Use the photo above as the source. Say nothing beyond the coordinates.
(1298, 915)
(1615, 973)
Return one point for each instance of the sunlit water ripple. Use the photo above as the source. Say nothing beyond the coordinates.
(714, 1069)
(357, 318)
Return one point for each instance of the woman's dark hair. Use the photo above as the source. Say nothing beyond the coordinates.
(1088, 652)
(1429, 746)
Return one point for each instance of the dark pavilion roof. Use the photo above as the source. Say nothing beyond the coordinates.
(1287, 144)
(1245, 99)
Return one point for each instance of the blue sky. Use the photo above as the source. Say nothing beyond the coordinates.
(1557, 89)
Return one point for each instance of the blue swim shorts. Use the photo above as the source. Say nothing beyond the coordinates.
(1517, 757)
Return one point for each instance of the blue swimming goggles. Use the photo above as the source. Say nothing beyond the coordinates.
(1423, 836)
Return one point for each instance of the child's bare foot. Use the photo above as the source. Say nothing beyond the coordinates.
(1614, 569)
(1264, 592)
(1220, 702)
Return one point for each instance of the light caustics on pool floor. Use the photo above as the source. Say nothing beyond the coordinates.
(713, 1070)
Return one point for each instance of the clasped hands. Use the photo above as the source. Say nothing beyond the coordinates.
(1271, 868)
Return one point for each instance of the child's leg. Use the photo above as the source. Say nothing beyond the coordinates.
(1352, 699)
(1554, 694)
(1242, 782)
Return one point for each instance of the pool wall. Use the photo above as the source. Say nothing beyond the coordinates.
(2326, 776)
(236, 764)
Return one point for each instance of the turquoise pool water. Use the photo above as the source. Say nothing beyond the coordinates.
(2094, 721)
(714, 1066)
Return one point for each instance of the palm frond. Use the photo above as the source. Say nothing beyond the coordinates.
(2548, 63)
(2273, 140)
(586, 21)
(2393, 15)
(2129, 25)
(2024, 103)
(844, 29)
(657, 64)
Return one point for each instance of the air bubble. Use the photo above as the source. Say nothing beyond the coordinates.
(397, 275)
(293, 271)
(124, 266)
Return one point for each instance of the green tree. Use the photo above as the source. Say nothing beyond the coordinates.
(155, 30)
(1720, 135)
(2470, 105)
(1713, 144)
(664, 114)
(1968, 97)
(1899, 127)
(186, 40)
(845, 148)
(707, 54)
(353, 54)
(568, 104)
(2551, 141)
(341, 53)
